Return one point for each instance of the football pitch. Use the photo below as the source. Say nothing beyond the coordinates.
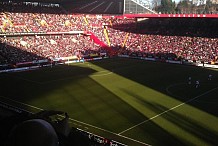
(132, 101)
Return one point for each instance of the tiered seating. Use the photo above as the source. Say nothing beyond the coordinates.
(156, 36)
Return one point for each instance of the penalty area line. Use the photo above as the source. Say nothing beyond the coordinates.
(190, 100)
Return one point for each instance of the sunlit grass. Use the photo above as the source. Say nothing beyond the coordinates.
(133, 98)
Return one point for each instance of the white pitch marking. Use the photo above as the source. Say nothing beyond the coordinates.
(168, 110)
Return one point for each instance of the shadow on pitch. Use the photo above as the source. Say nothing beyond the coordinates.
(157, 134)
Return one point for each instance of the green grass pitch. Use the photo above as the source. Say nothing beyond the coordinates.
(132, 101)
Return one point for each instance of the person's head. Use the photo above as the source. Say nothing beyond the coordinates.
(35, 132)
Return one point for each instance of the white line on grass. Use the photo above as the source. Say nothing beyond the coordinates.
(168, 110)
(80, 122)
(199, 101)
(110, 132)
(22, 103)
(167, 89)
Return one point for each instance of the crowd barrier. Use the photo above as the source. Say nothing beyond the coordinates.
(19, 69)
(43, 63)
(101, 140)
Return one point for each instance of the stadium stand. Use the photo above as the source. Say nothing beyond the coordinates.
(187, 43)
(182, 37)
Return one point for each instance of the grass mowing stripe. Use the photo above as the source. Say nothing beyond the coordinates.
(21, 103)
(168, 110)
(99, 73)
(62, 79)
(131, 94)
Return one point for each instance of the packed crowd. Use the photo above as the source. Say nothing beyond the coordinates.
(29, 48)
(191, 43)
(124, 35)
(189, 48)
(29, 18)
(30, 22)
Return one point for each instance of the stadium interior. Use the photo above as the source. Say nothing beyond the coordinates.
(45, 33)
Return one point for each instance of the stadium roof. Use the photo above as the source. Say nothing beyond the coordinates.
(85, 6)
(49, 1)
(97, 6)
(94, 6)
(44, 1)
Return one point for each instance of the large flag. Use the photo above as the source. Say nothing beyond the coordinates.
(111, 24)
(5, 23)
(2, 28)
(99, 42)
(106, 36)
(86, 20)
(126, 38)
